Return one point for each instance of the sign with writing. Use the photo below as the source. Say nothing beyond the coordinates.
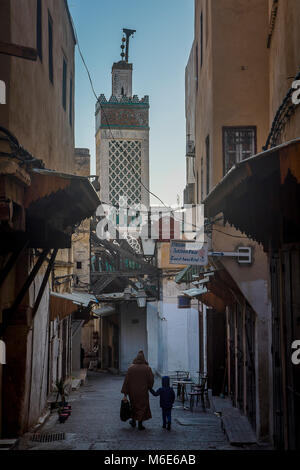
(192, 253)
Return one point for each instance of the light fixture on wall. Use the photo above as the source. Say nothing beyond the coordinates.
(148, 246)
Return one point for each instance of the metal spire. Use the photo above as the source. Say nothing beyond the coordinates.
(128, 33)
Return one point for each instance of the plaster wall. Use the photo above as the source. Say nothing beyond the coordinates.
(190, 94)
(121, 79)
(178, 333)
(81, 237)
(76, 341)
(284, 62)
(33, 102)
(152, 334)
(133, 333)
(232, 80)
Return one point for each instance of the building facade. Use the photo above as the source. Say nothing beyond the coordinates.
(229, 63)
(41, 202)
(81, 237)
(246, 147)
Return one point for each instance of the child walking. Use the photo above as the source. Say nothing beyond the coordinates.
(167, 398)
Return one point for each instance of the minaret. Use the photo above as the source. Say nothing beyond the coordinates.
(122, 137)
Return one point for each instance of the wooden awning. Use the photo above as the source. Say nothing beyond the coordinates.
(54, 203)
(61, 308)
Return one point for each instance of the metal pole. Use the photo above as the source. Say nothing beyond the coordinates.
(30, 279)
(44, 283)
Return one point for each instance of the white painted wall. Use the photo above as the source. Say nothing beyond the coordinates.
(133, 335)
(152, 334)
(76, 342)
(177, 332)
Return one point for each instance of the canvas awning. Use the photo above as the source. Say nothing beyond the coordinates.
(195, 292)
(54, 203)
(64, 304)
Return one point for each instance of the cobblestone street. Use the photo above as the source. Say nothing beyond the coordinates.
(95, 424)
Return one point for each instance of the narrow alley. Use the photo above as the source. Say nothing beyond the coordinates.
(95, 424)
(150, 223)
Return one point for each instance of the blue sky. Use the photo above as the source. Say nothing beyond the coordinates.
(159, 52)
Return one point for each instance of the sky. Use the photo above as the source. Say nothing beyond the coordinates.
(159, 52)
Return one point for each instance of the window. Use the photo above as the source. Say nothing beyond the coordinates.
(71, 102)
(50, 41)
(238, 143)
(207, 164)
(79, 265)
(64, 84)
(39, 44)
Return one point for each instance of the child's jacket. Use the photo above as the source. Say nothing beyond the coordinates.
(166, 393)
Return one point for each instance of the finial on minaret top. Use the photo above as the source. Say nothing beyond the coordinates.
(128, 33)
